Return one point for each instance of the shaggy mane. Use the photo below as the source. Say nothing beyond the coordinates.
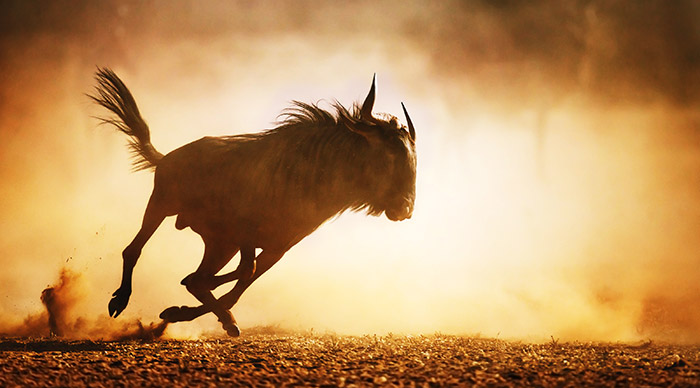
(311, 115)
(306, 156)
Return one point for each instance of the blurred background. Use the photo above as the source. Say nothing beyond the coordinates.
(558, 191)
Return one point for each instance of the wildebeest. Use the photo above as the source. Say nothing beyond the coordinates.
(264, 190)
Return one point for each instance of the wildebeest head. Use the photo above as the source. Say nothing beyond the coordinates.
(392, 150)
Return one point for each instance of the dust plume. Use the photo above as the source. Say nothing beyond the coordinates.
(558, 161)
(62, 317)
(58, 301)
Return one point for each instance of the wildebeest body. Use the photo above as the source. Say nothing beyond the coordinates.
(266, 190)
(256, 190)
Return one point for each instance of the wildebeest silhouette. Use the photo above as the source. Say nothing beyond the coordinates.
(264, 190)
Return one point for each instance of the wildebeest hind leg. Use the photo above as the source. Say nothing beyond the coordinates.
(152, 218)
(198, 283)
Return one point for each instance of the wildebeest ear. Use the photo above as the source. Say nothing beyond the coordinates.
(366, 111)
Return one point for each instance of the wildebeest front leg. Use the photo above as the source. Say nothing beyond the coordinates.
(226, 278)
(263, 262)
(199, 284)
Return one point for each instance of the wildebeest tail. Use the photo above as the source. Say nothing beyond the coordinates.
(112, 94)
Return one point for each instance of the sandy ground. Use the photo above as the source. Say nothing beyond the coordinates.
(330, 360)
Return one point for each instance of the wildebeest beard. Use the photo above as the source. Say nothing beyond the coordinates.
(267, 190)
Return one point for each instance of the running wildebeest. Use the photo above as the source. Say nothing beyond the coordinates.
(265, 190)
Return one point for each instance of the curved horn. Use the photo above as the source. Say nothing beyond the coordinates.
(366, 111)
(411, 130)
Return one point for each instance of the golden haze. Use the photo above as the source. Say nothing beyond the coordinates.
(558, 161)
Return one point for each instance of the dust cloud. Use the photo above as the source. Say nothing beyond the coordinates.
(62, 317)
(558, 145)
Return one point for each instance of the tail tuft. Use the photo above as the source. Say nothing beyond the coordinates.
(112, 94)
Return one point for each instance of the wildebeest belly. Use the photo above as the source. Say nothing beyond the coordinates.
(275, 233)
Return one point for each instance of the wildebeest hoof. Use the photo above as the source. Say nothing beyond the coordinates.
(179, 314)
(120, 299)
(229, 323)
(232, 330)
